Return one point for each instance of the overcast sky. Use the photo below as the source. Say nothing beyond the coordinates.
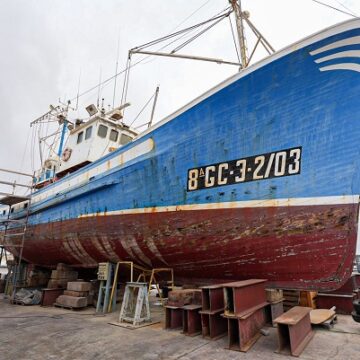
(47, 44)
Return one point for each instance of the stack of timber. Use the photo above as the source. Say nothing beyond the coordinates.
(61, 276)
(291, 299)
(36, 277)
(275, 308)
(75, 296)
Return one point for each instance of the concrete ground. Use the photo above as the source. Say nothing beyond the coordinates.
(36, 333)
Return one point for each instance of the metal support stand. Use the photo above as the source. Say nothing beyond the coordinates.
(104, 292)
(141, 313)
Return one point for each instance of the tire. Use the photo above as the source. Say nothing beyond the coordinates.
(356, 304)
(355, 316)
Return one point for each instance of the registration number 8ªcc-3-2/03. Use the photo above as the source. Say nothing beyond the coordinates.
(259, 167)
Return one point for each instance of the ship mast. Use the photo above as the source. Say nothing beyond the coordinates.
(236, 5)
(241, 17)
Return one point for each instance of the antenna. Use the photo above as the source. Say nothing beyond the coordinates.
(98, 96)
(78, 90)
(116, 69)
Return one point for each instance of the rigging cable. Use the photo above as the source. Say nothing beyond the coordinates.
(234, 39)
(163, 38)
(200, 33)
(346, 8)
(191, 15)
(189, 34)
(215, 19)
(147, 103)
(141, 60)
(26, 145)
(334, 8)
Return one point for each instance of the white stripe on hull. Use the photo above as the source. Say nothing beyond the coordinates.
(311, 201)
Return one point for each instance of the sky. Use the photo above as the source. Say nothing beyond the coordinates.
(50, 46)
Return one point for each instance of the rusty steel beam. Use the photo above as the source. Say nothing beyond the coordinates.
(191, 320)
(243, 297)
(173, 317)
(245, 331)
(294, 330)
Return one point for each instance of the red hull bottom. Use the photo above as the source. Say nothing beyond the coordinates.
(310, 247)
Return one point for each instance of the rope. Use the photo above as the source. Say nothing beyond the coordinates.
(147, 103)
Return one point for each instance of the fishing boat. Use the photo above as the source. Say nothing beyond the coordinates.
(256, 178)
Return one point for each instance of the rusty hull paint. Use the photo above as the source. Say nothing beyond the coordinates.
(310, 247)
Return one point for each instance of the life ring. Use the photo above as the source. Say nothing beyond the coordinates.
(66, 154)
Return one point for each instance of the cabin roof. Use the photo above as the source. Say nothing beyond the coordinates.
(104, 120)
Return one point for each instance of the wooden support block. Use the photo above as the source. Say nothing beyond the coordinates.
(274, 295)
(79, 286)
(76, 293)
(62, 274)
(71, 301)
(308, 299)
(57, 284)
(184, 297)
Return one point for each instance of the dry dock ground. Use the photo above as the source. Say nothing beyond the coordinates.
(37, 333)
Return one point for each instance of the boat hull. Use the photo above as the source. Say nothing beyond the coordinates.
(277, 243)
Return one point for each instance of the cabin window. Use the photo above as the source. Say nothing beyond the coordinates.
(12, 210)
(114, 135)
(124, 139)
(88, 132)
(26, 205)
(102, 131)
(4, 212)
(80, 137)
